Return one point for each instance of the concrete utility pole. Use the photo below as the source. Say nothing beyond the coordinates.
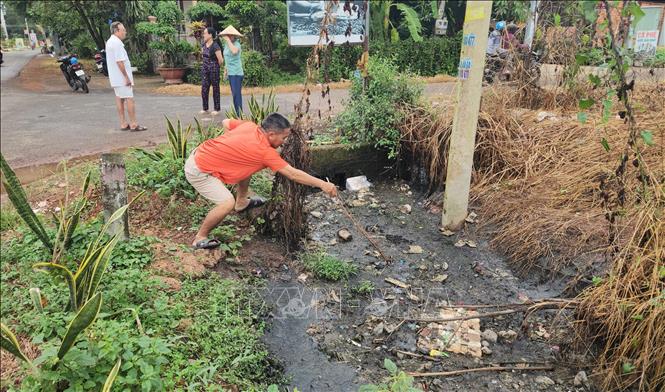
(531, 23)
(465, 122)
(114, 192)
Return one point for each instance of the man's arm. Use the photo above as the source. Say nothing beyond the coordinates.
(301, 177)
(121, 66)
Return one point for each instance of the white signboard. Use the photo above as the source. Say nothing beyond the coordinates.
(305, 16)
(646, 42)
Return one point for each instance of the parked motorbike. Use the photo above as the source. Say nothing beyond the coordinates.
(73, 72)
(502, 66)
(100, 61)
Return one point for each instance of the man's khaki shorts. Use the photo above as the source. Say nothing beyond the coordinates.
(209, 186)
(124, 92)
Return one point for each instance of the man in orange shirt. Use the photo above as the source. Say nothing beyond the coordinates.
(232, 158)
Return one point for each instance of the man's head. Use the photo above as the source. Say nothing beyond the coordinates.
(118, 29)
(276, 128)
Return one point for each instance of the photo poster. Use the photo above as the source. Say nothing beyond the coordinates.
(304, 22)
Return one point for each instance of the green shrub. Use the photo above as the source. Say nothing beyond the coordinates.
(373, 114)
(342, 62)
(83, 46)
(432, 56)
(398, 381)
(165, 176)
(658, 61)
(325, 266)
(255, 69)
(142, 62)
(193, 75)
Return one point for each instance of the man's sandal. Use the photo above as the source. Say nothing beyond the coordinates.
(127, 128)
(208, 243)
(138, 129)
(253, 203)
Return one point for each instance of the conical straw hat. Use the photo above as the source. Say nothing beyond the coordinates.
(231, 31)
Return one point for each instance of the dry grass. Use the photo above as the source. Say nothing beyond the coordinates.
(537, 185)
(625, 314)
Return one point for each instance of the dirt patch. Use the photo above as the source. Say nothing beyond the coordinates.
(10, 370)
(177, 261)
(194, 90)
(361, 329)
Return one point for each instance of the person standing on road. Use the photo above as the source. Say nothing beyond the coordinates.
(121, 78)
(233, 61)
(212, 59)
(33, 39)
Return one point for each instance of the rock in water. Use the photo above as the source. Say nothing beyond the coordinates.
(355, 184)
(344, 235)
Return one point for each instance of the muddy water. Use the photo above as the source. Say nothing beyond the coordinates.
(309, 369)
(336, 345)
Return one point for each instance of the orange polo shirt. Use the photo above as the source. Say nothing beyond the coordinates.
(237, 154)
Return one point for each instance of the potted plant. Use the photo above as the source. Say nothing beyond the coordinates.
(174, 54)
(171, 52)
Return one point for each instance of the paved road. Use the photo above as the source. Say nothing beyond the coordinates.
(14, 62)
(42, 128)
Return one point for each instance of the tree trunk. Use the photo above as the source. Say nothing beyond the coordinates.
(96, 36)
(114, 192)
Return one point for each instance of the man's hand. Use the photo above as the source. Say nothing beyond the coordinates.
(128, 82)
(329, 188)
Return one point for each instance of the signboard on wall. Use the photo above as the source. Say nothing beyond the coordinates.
(646, 42)
(305, 17)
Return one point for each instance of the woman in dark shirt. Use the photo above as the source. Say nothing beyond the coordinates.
(212, 59)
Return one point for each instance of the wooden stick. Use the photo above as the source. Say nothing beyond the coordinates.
(362, 231)
(474, 370)
(526, 308)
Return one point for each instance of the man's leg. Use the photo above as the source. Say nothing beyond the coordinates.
(120, 104)
(242, 191)
(131, 110)
(214, 217)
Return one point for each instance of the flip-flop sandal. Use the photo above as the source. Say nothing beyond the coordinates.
(208, 243)
(138, 129)
(127, 128)
(253, 203)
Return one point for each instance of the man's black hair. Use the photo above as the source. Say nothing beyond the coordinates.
(275, 122)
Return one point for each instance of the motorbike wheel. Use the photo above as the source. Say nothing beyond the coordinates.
(84, 86)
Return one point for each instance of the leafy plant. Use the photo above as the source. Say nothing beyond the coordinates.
(325, 266)
(204, 133)
(397, 382)
(374, 113)
(159, 172)
(205, 11)
(67, 219)
(178, 138)
(84, 282)
(257, 111)
(255, 69)
(18, 198)
(365, 287)
(85, 316)
(380, 12)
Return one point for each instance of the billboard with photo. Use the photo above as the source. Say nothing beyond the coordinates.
(305, 16)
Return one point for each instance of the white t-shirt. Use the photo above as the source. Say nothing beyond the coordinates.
(115, 51)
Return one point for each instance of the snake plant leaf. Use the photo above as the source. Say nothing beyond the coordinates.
(18, 198)
(111, 377)
(85, 316)
(36, 298)
(9, 342)
(65, 273)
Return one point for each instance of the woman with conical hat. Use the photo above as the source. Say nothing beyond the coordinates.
(233, 64)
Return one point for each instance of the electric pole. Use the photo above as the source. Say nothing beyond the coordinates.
(465, 122)
(531, 23)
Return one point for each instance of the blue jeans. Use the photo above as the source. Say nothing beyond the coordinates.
(236, 90)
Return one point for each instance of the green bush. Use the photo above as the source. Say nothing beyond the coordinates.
(373, 114)
(193, 75)
(658, 61)
(164, 176)
(255, 69)
(142, 62)
(325, 266)
(83, 46)
(432, 56)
